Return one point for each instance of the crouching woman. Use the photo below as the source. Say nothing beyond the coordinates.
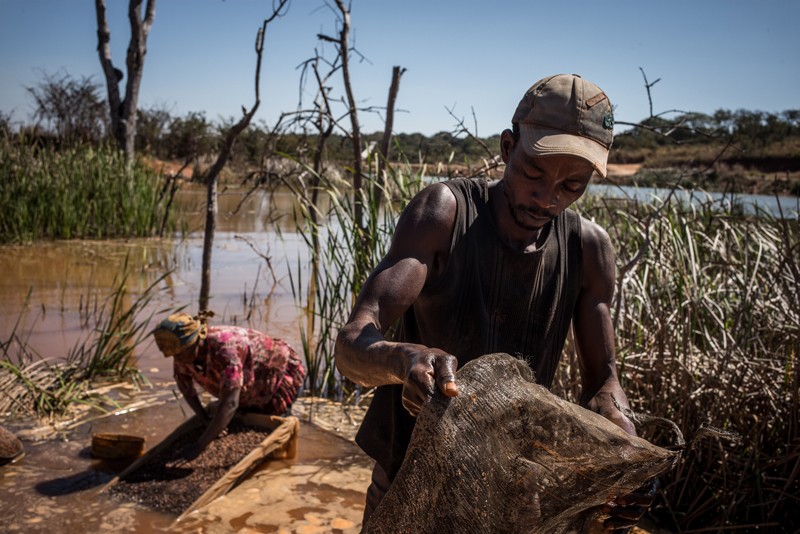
(243, 368)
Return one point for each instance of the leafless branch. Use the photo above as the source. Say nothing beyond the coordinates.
(491, 161)
(224, 155)
(648, 86)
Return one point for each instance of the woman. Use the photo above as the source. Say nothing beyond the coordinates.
(243, 368)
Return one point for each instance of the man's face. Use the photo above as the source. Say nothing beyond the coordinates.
(538, 189)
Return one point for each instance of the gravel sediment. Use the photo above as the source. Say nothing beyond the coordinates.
(169, 484)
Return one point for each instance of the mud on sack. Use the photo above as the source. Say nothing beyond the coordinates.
(507, 455)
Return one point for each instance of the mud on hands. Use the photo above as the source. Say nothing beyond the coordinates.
(427, 370)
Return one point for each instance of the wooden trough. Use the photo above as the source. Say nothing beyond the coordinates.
(281, 443)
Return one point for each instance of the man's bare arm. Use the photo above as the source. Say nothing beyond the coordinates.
(594, 330)
(417, 255)
(601, 391)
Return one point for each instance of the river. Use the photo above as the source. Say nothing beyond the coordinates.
(47, 287)
(777, 207)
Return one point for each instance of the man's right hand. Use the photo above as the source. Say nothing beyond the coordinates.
(427, 369)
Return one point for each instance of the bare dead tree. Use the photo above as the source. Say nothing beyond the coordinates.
(386, 141)
(122, 110)
(72, 107)
(227, 147)
(342, 43)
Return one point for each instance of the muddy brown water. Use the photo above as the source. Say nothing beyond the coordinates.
(47, 287)
(48, 290)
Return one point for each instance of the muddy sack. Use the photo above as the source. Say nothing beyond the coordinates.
(507, 455)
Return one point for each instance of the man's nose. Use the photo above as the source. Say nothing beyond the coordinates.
(545, 198)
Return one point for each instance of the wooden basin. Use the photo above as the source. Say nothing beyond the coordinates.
(112, 446)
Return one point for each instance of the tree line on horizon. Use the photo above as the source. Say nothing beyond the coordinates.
(70, 110)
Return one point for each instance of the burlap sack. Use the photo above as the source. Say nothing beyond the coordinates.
(507, 455)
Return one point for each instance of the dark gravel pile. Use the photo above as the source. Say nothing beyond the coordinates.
(169, 484)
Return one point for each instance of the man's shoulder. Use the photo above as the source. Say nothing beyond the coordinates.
(435, 203)
(426, 224)
(597, 253)
(437, 191)
(592, 234)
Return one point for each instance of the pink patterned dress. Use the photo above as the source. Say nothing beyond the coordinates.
(265, 369)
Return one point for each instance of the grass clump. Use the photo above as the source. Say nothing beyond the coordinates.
(77, 192)
(48, 387)
(341, 252)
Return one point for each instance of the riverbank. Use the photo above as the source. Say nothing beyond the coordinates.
(717, 178)
(321, 490)
(58, 485)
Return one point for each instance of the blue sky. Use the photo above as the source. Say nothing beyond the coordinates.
(465, 55)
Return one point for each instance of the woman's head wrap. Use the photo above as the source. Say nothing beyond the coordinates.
(180, 331)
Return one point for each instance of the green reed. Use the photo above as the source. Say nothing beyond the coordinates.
(77, 192)
(708, 333)
(33, 385)
(339, 251)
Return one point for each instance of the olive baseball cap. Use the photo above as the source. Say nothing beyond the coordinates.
(565, 114)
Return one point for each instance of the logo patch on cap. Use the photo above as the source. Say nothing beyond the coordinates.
(608, 121)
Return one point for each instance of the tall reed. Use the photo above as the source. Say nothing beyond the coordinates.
(76, 192)
(327, 287)
(708, 333)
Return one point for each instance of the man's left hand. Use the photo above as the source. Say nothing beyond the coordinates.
(627, 510)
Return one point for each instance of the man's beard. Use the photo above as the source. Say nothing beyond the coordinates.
(519, 211)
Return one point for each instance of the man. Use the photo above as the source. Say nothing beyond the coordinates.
(478, 267)
(243, 368)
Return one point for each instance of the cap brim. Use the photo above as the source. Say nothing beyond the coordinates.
(539, 142)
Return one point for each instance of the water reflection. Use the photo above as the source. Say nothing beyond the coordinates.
(243, 213)
(48, 288)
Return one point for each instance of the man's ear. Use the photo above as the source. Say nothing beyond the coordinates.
(507, 143)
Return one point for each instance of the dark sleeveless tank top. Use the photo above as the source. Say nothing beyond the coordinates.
(490, 298)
